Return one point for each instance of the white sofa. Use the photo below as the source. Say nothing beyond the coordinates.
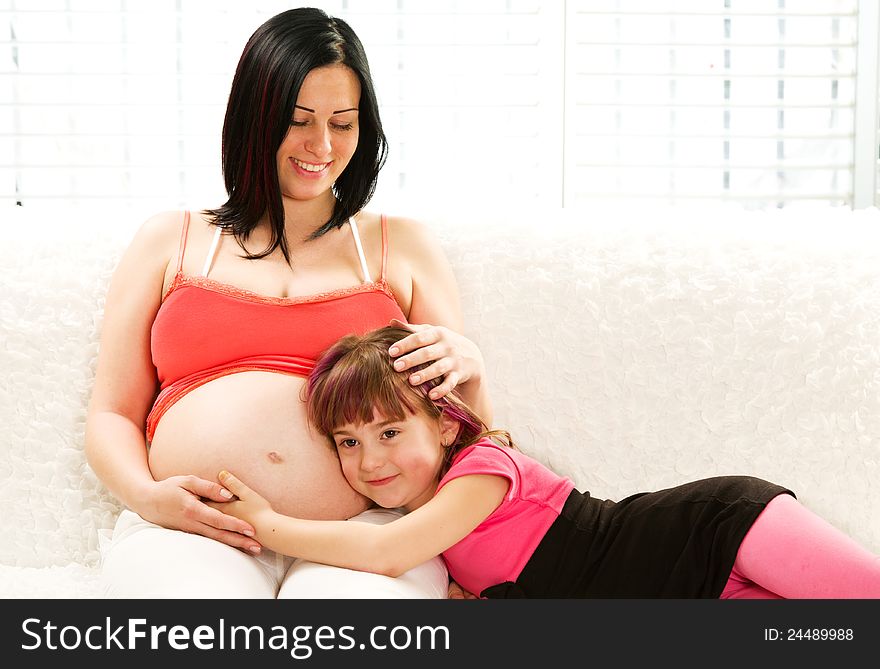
(629, 348)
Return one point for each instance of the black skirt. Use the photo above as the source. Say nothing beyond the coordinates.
(675, 543)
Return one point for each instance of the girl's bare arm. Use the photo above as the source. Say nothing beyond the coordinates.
(390, 549)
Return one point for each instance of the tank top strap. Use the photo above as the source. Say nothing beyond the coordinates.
(183, 234)
(212, 252)
(360, 249)
(384, 245)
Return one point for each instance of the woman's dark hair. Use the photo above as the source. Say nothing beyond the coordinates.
(270, 72)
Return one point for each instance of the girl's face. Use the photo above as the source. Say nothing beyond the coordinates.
(396, 463)
(323, 133)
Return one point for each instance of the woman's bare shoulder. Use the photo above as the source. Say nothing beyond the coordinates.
(160, 228)
(156, 241)
(412, 236)
(164, 229)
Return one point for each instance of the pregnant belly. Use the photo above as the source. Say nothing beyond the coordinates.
(254, 425)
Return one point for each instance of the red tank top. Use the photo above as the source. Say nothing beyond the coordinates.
(205, 329)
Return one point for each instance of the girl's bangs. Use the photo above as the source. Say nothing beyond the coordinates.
(354, 391)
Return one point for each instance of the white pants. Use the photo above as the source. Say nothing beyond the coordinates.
(145, 560)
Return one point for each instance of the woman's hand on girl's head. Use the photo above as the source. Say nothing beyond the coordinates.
(193, 504)
(453, 357)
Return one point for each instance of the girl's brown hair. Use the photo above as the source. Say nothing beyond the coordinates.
(354, 380)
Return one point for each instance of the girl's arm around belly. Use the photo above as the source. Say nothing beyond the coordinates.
(391, 549)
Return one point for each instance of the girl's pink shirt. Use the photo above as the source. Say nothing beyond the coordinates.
(498, 549)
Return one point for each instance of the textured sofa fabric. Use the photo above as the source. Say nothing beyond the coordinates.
(628, 348)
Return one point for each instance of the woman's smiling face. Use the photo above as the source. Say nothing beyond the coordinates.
(323, 133)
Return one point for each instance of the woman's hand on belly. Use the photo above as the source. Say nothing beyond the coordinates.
(176, 503)
(246, 504)
(255, 424)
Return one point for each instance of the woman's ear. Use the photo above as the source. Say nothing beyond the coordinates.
(449, 429)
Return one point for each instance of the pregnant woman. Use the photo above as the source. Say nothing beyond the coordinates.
(213, 320)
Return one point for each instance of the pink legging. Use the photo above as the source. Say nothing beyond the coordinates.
(791, 553)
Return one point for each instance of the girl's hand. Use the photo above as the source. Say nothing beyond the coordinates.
(182, 503)
(455, 357)
(249, 505)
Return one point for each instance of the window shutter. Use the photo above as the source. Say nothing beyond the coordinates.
(470, 95)
(124, 100)
(540, 101)
(745, 100)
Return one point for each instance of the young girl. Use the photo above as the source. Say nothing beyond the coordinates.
(509, 527)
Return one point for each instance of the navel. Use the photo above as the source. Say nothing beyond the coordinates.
(274, 457)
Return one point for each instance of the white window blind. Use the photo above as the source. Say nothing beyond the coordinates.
(124, 100)
(867, 156)
(751, 100)
(543, 101)
(470, 96)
